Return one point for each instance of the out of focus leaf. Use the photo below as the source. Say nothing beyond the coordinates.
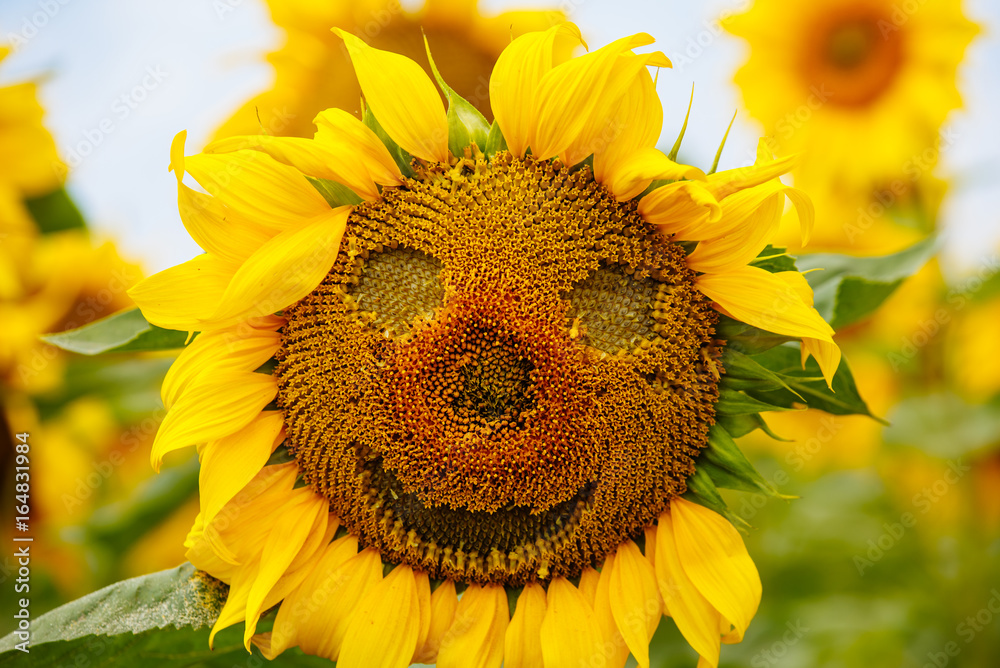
(55, 212)
(848, 288)
(125, 331)
(944, 425)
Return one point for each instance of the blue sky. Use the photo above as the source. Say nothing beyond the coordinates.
(120, 78)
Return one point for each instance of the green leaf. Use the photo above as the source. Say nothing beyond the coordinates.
(746, 338)
(335, 193)
(729, 467)
(849, 289)
(161, 620)
(495, 141)
(735, 402)
(399, 156)
(125, 331)
(55, 212)
(466, 126)
(808, 383)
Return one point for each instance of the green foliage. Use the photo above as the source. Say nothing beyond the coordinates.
(125, 331)
(55, 212)
(746, 338)
(737, 402)
(849, 289)
(728, 466)
(808, 384)
(335, 193)
(466, 126)
(160, 620)
(944, 425)
(774, 260)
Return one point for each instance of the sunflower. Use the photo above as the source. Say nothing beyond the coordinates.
(313, 71)
(452, 378)
(861, 88)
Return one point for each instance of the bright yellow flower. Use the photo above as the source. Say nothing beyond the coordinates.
(480, 361)
(313, 71)
(861, 88)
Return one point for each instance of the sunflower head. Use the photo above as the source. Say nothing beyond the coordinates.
(440, 356)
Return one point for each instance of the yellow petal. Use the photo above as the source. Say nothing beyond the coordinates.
(612, 643)
(523, 643)
(310, 157)
(750, 220)
(337, 130)
(257, 187)
(345, 590)
(716, 560)
(588, 584)
(685, 209)
(475, 638)
(762, 299)
(210, 410)
(723, 184)
(183, 297)
(285, 269)
(569, 94)
(635, 171)
(384, 629)
(242, 348)
(570, 637)
(628, 115)
(635, 600)
(514, 83)
(827, 355)
(444, 602)
(424, 606)
(228, 464)
(217, 230)
(650, 547)
(695, 617)
(402, 97)
(303, 517)
(302, 618)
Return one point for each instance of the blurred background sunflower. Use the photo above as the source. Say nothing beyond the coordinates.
(890, 105)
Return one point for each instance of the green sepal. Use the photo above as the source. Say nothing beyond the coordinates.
(335, 193)
(495, 141)
(849, 289)
(680, 137)
(125, 331)
(702, 490)
(466, 125)
(729, 467)
(745, 338)
(722, 145)
(774, 259)
(281, 455)
(399, 156)
(738, 402)
(808, 383)
(55, 212)
(267, 367)
(741, 425)
(745, 373)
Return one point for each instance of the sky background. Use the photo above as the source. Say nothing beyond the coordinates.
(121, 78)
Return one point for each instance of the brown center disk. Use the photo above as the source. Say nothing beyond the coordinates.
(503, 377)
(855, 57)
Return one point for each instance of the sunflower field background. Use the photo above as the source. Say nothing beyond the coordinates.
(876, 536)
